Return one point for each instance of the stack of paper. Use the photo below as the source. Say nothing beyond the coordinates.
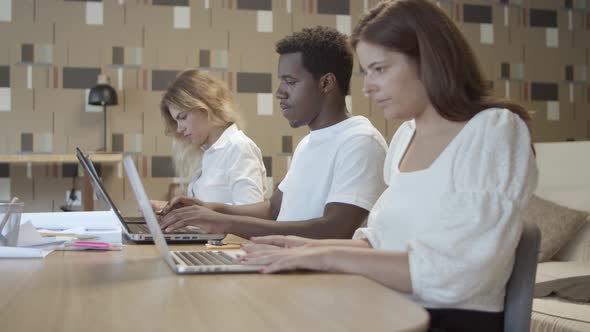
(98, 221)
(40, 233)
(96, 226)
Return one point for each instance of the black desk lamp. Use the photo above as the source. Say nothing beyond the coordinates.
(103, 95)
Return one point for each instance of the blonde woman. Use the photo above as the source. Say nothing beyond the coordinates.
(211, 153)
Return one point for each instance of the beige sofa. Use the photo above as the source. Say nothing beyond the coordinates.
(568, 278)
(563, 281)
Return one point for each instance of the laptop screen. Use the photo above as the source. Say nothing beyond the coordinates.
(146, 209)
(97, 184)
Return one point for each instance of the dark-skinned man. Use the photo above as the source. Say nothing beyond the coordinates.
(336, 173)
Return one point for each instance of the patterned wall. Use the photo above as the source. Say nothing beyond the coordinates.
(535, 52)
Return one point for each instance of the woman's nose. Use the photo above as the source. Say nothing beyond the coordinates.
(368, 88)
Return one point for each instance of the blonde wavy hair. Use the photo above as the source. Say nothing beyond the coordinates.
(194, 90)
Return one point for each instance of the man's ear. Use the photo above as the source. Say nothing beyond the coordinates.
(328, 83)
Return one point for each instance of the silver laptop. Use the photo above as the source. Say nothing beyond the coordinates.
(135, 228)
(183, 262)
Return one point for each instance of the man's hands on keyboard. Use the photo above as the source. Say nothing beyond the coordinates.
(157, 206)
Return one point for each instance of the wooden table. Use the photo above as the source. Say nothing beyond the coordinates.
(134, 289)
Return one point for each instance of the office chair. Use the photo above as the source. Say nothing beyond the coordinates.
(519, 290)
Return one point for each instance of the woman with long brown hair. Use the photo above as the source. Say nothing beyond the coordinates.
(216, 160)
(459, 171)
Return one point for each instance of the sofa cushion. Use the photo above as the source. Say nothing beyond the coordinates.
(567, 280)
(557, 223)
(555, 314)
(578, 249)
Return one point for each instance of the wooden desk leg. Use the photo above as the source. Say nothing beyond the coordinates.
(87, 195)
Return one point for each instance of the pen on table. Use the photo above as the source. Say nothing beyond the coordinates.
(77, 236)
(218, 244)
(91, 244)
(94, 245)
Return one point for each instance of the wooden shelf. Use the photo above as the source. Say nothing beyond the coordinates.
(106, 158)
(48, 158)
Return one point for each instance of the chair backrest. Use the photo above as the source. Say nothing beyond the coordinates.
(520, 287)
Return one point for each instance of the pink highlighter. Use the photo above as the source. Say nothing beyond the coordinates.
(91, 245)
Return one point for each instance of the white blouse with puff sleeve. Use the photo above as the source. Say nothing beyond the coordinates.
(459, 219)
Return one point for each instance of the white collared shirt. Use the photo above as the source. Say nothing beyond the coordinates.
(232, 171)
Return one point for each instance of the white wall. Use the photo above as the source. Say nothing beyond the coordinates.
(564, 173)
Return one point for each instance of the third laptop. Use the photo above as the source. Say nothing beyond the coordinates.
(134, 227)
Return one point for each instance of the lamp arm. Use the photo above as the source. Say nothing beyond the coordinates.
(104, 112)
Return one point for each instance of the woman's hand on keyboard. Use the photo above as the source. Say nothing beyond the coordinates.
(262, 243)
(283, 259)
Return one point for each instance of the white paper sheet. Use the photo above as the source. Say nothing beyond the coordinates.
(15, 252)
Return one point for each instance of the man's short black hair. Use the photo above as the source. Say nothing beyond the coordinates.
(324, 50)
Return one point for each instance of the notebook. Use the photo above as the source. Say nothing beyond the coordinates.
(183, 262)
(135, 228)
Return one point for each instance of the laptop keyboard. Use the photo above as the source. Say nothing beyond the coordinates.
(135, 219)
(138, 228)
(196, 258)
(143, 229)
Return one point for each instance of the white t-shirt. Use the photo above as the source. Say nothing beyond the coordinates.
(459, 219)
(232, 171)
(342, 163)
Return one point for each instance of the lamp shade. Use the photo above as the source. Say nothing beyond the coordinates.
(102, 94)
